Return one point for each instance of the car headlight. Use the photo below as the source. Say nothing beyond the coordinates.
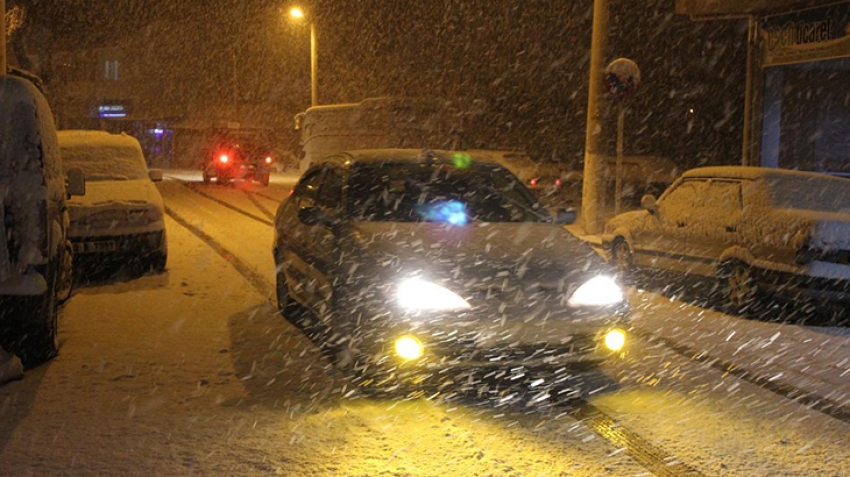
(418, 294)
(598, 291)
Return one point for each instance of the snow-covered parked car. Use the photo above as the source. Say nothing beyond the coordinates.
(755, 229)
(35, 257)
(122, 213)
(429, 263)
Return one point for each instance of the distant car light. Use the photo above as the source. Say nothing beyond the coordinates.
(615, 339)
(533, 182)
(409, 348)
(598, 291)
(557, 182)
(269, 160)
(224, 158)
(418, 294)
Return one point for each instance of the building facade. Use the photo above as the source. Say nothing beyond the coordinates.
(798, 101)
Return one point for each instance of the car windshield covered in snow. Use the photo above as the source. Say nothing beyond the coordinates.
(439, 193)
(100, 160)
(826, 194)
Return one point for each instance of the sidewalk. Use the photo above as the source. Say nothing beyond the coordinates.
(807, 363)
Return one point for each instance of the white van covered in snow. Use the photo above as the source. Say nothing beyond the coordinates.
(375, 123)
(34, 251)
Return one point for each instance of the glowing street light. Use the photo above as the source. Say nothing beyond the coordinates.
(298, 14)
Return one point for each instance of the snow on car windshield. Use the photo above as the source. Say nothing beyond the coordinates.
(103, 157)
(438, 193)
(825, 194)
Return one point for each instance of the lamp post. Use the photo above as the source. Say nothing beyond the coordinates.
(298, 14)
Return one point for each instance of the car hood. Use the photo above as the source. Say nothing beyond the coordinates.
(116, 205)
(479, 252)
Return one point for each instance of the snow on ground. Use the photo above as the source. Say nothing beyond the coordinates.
(717, 422)
(249, 239)
(803, 357)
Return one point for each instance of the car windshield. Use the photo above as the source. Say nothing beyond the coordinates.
(104, 162)
(825, 194)
(393, 192)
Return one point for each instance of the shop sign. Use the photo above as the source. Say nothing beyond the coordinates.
(810, 35)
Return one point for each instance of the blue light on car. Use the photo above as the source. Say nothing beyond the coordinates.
(451, 212)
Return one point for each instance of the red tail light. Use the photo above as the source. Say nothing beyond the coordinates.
(269, 160)
(533, 182)
(224, 158)
(557, 182)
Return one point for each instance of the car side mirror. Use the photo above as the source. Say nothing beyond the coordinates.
(314, 216)
(647, 203)
(75, 182)
(155, 175)
(565, 216)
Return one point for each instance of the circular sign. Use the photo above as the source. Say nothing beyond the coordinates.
(622, 77)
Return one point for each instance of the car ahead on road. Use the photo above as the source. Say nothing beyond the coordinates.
(755, 229)
(419, 263)
(35, 256)
(228, 159)
(122, 214)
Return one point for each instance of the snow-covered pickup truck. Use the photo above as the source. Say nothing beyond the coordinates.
(756, 229)
(35, 255)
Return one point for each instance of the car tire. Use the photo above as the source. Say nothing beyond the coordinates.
(739, 285)
(623, 261)
(290, 309)
(65, 284)
(31, 332)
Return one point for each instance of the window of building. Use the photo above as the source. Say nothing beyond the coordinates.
(111, 70)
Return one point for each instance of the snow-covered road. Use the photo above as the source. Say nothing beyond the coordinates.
(193, 373)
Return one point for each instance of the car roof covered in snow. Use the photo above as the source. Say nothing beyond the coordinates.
(749, 173)
(407, 156)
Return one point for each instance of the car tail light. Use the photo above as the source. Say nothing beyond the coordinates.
(557, 182)
(224, 158)
(533, 182)
(269, 160)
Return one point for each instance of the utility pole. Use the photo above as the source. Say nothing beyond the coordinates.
(314, 65)
(593, 186)
(3, 39)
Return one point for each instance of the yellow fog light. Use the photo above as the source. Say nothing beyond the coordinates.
(408, 347)
(615, 339)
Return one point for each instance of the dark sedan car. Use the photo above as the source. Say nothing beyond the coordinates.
(416, 263)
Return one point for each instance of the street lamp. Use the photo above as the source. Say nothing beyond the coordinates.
(298, 14)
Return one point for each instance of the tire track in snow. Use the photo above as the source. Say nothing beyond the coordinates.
(651, 457)
(226, 204)
(252, 197)
(770, 383)
(255, 279)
